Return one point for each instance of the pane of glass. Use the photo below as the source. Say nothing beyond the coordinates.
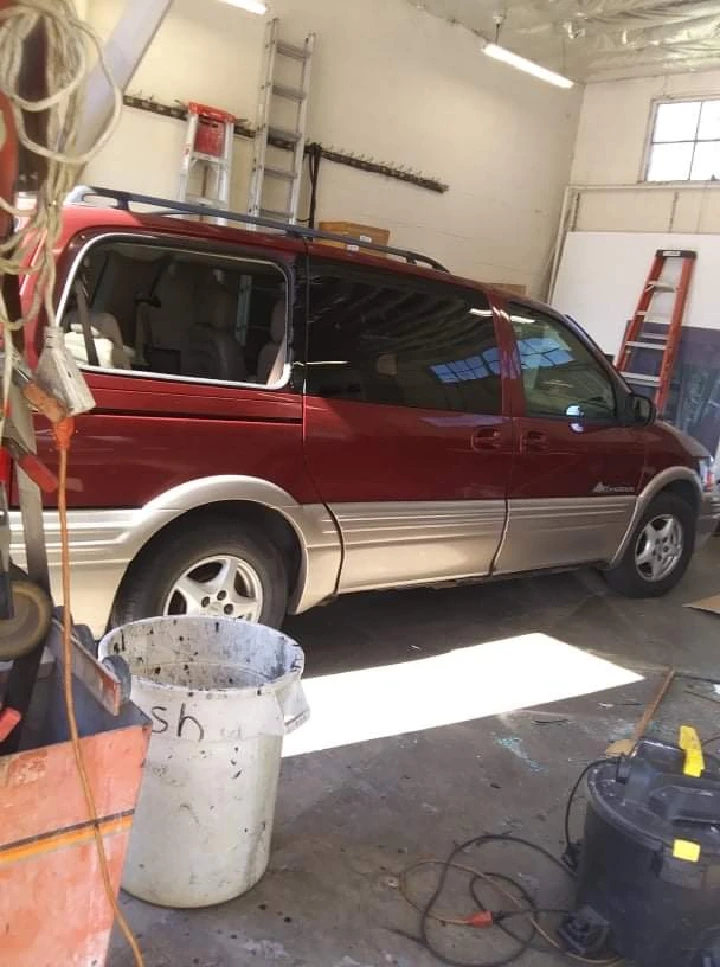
(560, 376)
(710, 121)
(433, 350)
(676, 121)
(706, 164)
(670, 162)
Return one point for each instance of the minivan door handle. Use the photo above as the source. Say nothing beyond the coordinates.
(534, 441)
(487, 438)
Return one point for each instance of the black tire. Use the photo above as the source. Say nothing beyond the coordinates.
(626, 578)
(150, 579)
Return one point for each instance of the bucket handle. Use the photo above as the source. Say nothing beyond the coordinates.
(294, 707)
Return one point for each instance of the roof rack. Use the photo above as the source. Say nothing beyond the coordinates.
(123, 200)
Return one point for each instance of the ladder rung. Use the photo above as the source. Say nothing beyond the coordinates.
(662, 286)
(642, 378)
(284, 134)
(641, 344)
(292, 50)
(207, 159)
(209, 202)
(277, 216)
(656, 322)
(280, 173)
(289, 93)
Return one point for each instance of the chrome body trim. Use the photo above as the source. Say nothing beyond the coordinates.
(651, 490)
(396, 544)
(104, 542)
(559, 532)
(147, 238)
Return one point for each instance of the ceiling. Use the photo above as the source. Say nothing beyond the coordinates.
(596, 39)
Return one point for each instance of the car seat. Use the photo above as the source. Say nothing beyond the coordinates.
(213, 350)
(271, 358)
(106, 336)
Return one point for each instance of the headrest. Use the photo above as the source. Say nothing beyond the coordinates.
(215, 306)
(277, 322)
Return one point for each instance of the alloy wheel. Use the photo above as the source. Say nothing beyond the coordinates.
(659, 548)
(222, 586)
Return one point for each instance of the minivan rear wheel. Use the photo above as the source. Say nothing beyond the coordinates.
(207, 569)
(659, 551)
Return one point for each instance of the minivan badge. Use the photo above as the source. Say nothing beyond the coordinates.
(602, 488)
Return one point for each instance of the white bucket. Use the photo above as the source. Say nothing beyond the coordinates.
(221, 695)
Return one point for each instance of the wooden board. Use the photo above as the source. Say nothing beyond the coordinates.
(513, 287)
(711, 604)
(53, 907)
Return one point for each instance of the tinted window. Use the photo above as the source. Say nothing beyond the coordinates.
(560, 375)
(377, 340)
(154, 310)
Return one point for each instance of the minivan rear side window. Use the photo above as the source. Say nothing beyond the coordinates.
(377, 338)
(560, 376)
(178, 313)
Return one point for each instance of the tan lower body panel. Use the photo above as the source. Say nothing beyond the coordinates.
(562, 532)
(393, 544)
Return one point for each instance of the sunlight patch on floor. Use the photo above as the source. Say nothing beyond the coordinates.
(469, 683)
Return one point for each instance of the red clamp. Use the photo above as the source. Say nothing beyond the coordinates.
(9, 718)
(31, 464)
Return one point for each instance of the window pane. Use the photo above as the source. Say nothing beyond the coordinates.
(560, 375)
(430, 348)
(706, 164)
(677, 121)
(154, 310)
(670, 162)
(710, 121)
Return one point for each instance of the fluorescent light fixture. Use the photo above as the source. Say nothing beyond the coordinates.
(528, 66)
(252, 6)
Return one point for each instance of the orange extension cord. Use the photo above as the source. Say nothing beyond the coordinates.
(63, 432)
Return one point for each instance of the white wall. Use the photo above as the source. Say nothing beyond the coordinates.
(612, 136)
(602, 275)
(390, 82)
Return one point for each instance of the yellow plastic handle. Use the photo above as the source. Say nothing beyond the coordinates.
(692, 747)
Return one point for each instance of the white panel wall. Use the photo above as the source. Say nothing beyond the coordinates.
(612, 136)
(389, 82)
(602, 275)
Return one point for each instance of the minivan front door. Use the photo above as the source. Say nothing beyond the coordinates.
(406, 435)
(577, 470)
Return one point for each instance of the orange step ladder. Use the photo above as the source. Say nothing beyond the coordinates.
(652, 339)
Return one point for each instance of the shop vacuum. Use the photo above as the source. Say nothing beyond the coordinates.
(649, 873)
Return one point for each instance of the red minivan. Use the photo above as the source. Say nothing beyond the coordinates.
(279, 422)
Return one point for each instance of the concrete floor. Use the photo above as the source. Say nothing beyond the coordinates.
(427, 734)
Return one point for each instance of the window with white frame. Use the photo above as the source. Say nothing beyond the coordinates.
(685, 141)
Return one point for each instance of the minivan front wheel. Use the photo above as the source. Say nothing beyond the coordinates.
(659, 551)
(224, 584)
(207, 569)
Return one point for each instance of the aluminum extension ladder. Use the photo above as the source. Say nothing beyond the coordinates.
(209, 147)
(272, 93)
(652, 339)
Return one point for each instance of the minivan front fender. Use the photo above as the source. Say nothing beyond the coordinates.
(663, 481)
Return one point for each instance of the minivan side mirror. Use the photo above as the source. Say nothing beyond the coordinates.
(642, 410)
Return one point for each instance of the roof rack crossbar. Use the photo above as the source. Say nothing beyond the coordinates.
(123, 200)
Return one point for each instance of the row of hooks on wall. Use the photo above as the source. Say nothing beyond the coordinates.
(361, 162)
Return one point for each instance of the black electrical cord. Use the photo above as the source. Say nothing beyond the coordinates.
(314, 153)
(427, 911)
(526, 905)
